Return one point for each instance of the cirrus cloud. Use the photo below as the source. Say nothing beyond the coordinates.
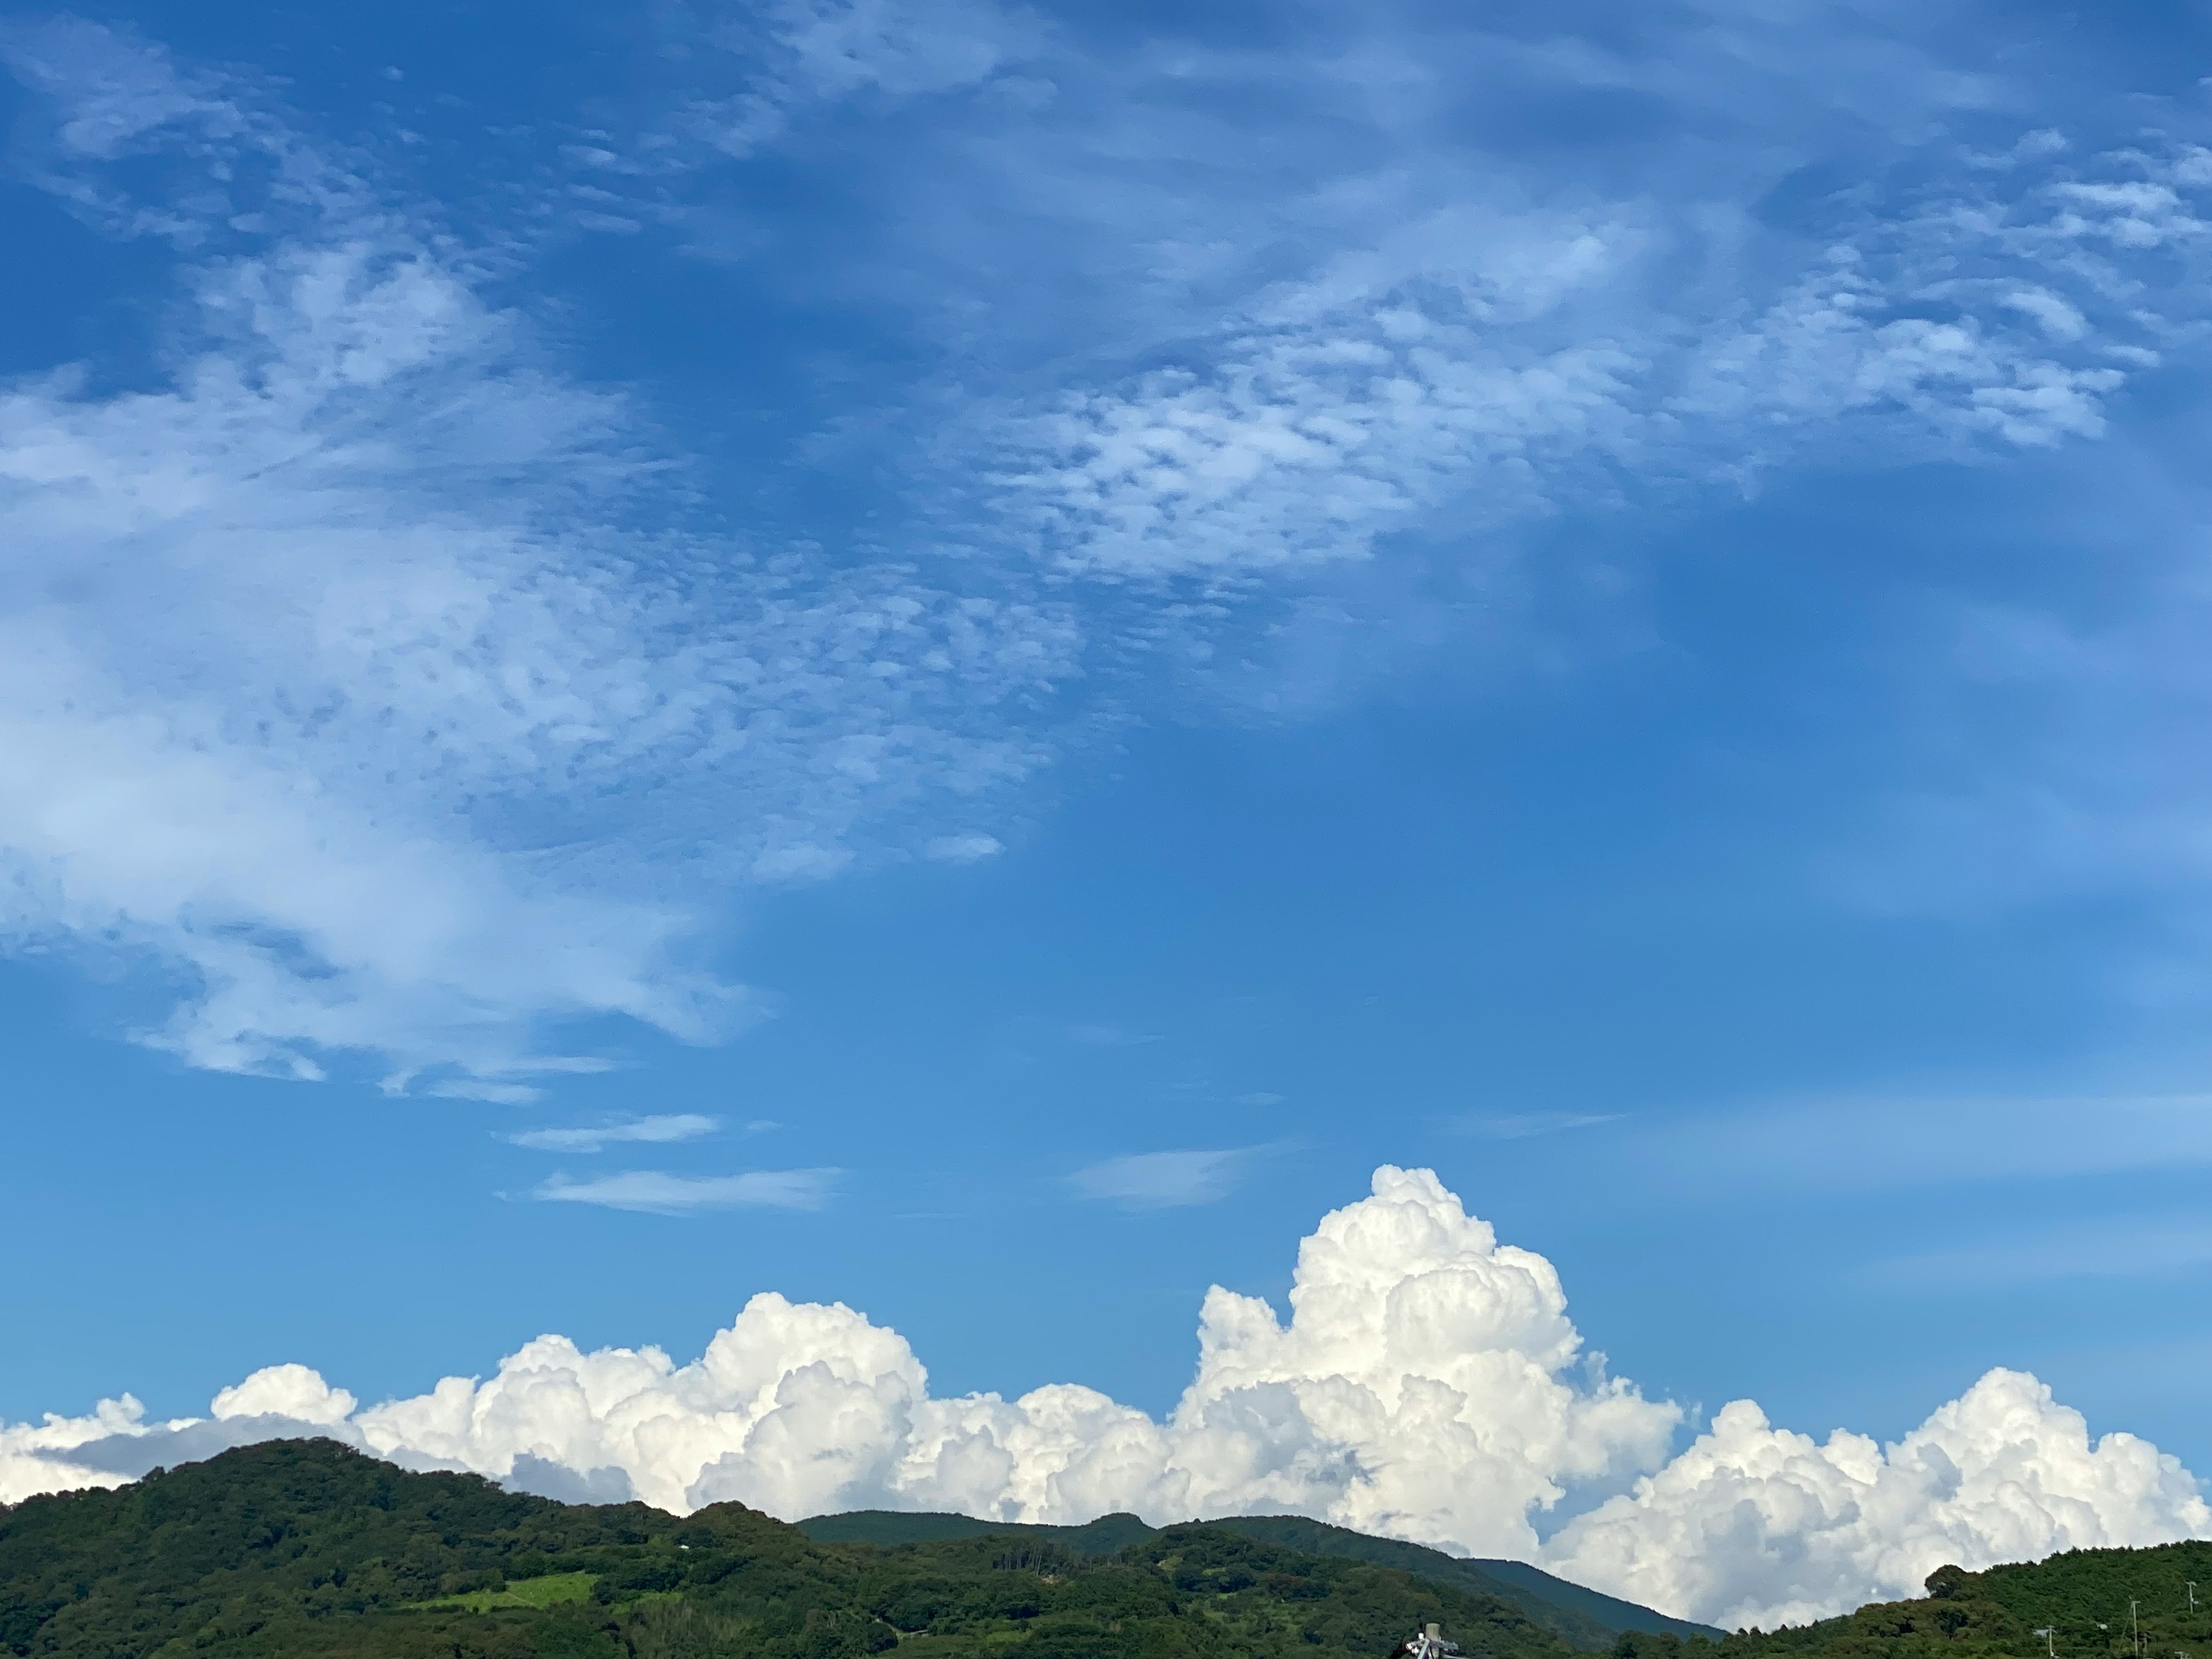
(658, 1193)
(657, 1130)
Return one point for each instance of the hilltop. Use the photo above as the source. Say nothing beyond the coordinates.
(1582, 1617)
(2095, 1604)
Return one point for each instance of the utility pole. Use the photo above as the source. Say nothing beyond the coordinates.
(2192, 1598)
(2049, 1641)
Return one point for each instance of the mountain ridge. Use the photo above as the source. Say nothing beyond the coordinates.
(1584, 1618)
(307, 1549)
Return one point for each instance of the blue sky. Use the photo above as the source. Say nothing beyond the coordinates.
(964, 659)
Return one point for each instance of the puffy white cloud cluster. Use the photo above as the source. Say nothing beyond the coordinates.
(1753, 1524)
(36, 1457)
(1428, 1385)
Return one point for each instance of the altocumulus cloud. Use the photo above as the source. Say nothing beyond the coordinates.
(1428, 1385)
(354, 670)
(336, 670)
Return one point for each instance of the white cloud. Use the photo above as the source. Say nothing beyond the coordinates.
(656, 1130)
(796, 58)
(840, 46)
(1152, 1181)
(2109, 1248)
(661, 1193)
(337, 678)
(1523, 1126)
(36, 1457)
(1458, 371)
(1856, 1143)
(963, 849)
(1490, 371)
(288, 1391)
(1441, 367)
(347, 674)
(1428, 1385)
(1757, 1525)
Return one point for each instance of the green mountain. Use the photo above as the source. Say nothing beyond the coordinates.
(306, 1550)
(2095, 1604)
(1581, 1618)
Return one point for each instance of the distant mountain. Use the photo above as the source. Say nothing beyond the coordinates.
(307, 1550)
(1582, 1617)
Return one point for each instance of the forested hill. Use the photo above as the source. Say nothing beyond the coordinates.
(2095, 1604)
(306, 1549)
(1584, 1618)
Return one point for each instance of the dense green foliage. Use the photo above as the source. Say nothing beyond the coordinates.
(304, 1548)
(1582, 1617)
(1585, 1618)
(2095, 1604)
(1108, 1534)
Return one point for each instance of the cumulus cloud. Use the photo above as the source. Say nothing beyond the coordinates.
(656, 1130)
(1757, 1525)
(287, 1391)
(39, 1457)
(1427, 1385)
(661, 1194)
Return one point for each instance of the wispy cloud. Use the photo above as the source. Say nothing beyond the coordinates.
(667, 1128)
(359, 673)
(1153, 1180)
(318, 648)
(963, 849)
(2109, 1249)
(786, 60)
(1866, 1144)
(661, 1194)
(1099, 1035)
(1523, 1126)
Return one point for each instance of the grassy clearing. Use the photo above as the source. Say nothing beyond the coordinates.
(549, 1591)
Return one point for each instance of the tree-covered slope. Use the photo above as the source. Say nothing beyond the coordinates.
(1587, 1618)
(1584, 1618)
(889, 1529)
(2095, 1604)
(304, 1548)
